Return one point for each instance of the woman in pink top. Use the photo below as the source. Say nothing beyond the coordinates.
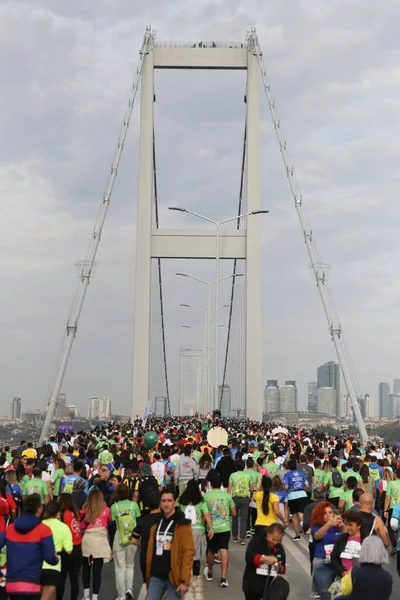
(95, 516)
(262, 470)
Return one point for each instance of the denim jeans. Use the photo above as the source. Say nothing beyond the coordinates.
(157, 588)
(323, 576)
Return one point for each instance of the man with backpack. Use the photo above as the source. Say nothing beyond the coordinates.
(334, 482)
(73, 472)
(147, 484)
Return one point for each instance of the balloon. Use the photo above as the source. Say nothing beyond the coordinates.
(63, 429)
(217, 436)
(70, 429)
(150, 439)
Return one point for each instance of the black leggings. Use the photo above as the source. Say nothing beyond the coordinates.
(87, 568)
(70, 565)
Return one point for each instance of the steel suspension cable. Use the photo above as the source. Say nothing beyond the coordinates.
(228, 336)
(164, 348)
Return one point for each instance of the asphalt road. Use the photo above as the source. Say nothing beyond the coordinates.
(298, 574)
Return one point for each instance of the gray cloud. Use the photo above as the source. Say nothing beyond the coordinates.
(67, 70)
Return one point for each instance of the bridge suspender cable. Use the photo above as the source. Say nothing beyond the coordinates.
(159, 275)
(88, 264)
(317, 267)
(240, 211)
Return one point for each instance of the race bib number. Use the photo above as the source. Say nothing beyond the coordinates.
(328, 551)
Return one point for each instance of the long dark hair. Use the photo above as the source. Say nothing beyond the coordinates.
(66, 502)
(364, 472)
(205, 461)
(192, 494)
(266, 484)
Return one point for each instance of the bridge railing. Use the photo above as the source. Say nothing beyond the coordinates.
(201, 44)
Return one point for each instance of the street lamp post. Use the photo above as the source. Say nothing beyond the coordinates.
(217, 225)
(208, 325)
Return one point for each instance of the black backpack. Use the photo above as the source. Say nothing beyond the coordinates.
(337, 479)
(147, 484)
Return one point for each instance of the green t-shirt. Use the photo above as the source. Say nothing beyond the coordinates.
(393, 490)
(351, 473)
(254, 478)
(201, 509)
(128, 506)
(219, 505)
(106, 457)
(347, 496)
(319, 475)
(62, 538)
(57, 477)
(36, 486)
(240, 484)
(334, 492)
(272, 469)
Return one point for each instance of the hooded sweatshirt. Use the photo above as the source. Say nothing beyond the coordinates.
(29, 542)
(186, 469)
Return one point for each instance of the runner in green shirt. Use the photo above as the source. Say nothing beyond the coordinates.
(334, 492)
(346, 497)
(392, 498)
(36, 486)
(319, 475)
(239, 484)
(271, 466)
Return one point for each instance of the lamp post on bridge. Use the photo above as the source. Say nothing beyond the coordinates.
(206, 355)
(217, 225)
(208, 324)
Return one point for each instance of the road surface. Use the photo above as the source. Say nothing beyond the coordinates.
(298, 574)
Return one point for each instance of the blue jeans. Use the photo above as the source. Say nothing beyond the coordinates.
(324, 576)
(157, 588)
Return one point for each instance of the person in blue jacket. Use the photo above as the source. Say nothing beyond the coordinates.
(28, 543)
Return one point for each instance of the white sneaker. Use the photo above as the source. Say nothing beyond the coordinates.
(129, 593)
(207, 575)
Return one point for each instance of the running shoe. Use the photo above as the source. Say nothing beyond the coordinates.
(207, 575)
(297, 538)
(224, 582)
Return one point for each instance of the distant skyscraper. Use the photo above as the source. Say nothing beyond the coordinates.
(271, 397)
(106, 408)
(61, 411)
(95, 406)
(288, 394)
(345, 408)
(225, 393)
(396, 386)
(394, 401)
(16, 409)
(100, 408)
(160, 406)
(327, 400)
(383, 400)
(328, 375)
(312, 406)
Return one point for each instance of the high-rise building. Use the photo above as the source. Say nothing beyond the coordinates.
(16, 408)
(189, 406)
(73, 412)
(224, 394)
(396, 386)
(61, 411)
(288, 394)
(271, 397)
(328, 375)
(345, 407)
(106, 407)
(160, 405)
(327, 400)
(383, 400)
(100, 408)
(394, 400)
(312, 406)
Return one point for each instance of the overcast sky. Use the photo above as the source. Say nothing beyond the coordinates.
(67, 69)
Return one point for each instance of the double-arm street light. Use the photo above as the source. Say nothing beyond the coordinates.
(208, 324)
(217, 225)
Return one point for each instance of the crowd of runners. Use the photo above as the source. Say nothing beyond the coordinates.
(164, 490)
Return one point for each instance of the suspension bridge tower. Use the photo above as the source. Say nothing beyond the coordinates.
(237, 244)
